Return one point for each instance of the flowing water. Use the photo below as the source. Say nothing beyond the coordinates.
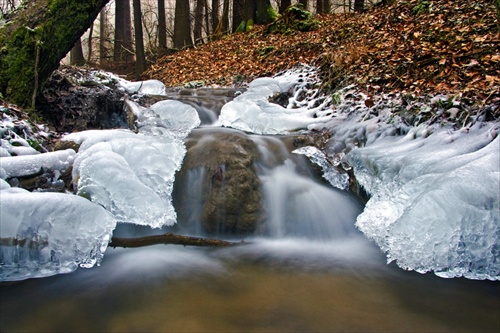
(308, 269)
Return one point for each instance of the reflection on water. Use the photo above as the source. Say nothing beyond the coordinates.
(284, 285)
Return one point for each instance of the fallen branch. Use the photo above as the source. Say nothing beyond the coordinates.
(169, 238)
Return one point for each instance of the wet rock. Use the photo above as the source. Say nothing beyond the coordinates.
(70, 102)
(45, 180)
(217, 188)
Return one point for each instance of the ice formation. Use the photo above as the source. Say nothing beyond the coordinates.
(253, 112)
(149, 87)
(434, 202)
(132, 174)
(19, 166)
(330, 173)
(43, 234)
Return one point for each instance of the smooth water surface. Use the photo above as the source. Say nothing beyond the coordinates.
(265, 286)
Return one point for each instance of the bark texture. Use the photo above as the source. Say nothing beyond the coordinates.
(35, 39)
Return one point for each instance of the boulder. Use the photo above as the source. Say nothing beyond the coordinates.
(217, 188)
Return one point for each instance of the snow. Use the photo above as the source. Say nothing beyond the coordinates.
(253, 112)
(62, 232)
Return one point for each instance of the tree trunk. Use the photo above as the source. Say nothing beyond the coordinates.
(284, 4)
(89, 43)
(103, 35)
(304, 3)
(123, 31)
(242, 12)
(162, 26)
(140, 59)
(182, 25)
(264, 12)
(223, 25)
(215, 14)
(76, 57)
(198, 22)
(323, 6)
(207, 18)
(37, 37)
(359, 5)
(497, 4)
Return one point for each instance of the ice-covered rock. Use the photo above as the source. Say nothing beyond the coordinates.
(434, 202)
(21, 166)
(252, 111)
(149, 87)
(43, 234)
(132, 174)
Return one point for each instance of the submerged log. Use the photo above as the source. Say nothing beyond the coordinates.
(169, 238)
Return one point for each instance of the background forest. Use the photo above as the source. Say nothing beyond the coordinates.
(132, 33)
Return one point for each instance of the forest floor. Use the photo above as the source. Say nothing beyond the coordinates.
(415, 47)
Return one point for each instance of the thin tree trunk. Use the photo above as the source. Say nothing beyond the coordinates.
(36, 39)
(76, 57)
(215, 14)
(207, 18)
(103, 51)
(198, 22)
(89, 43)
(162, 26)
(140, 59)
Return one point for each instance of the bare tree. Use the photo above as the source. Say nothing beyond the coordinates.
(182, 25)
(198, 22)
(215, 14)
(162, 26)
(323, 6)
(123, 31)
(140, 59)
(359, 5)
(103, 35)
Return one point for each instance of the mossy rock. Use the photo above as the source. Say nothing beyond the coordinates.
(294, 18)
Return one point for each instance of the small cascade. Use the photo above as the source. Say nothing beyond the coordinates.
(232, 183)
(299, 207)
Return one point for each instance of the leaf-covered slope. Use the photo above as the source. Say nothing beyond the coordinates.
(416, 45)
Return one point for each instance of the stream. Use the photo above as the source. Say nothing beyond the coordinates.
(305, 265)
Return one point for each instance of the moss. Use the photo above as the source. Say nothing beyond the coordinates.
(294, 18)
(52, 27)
